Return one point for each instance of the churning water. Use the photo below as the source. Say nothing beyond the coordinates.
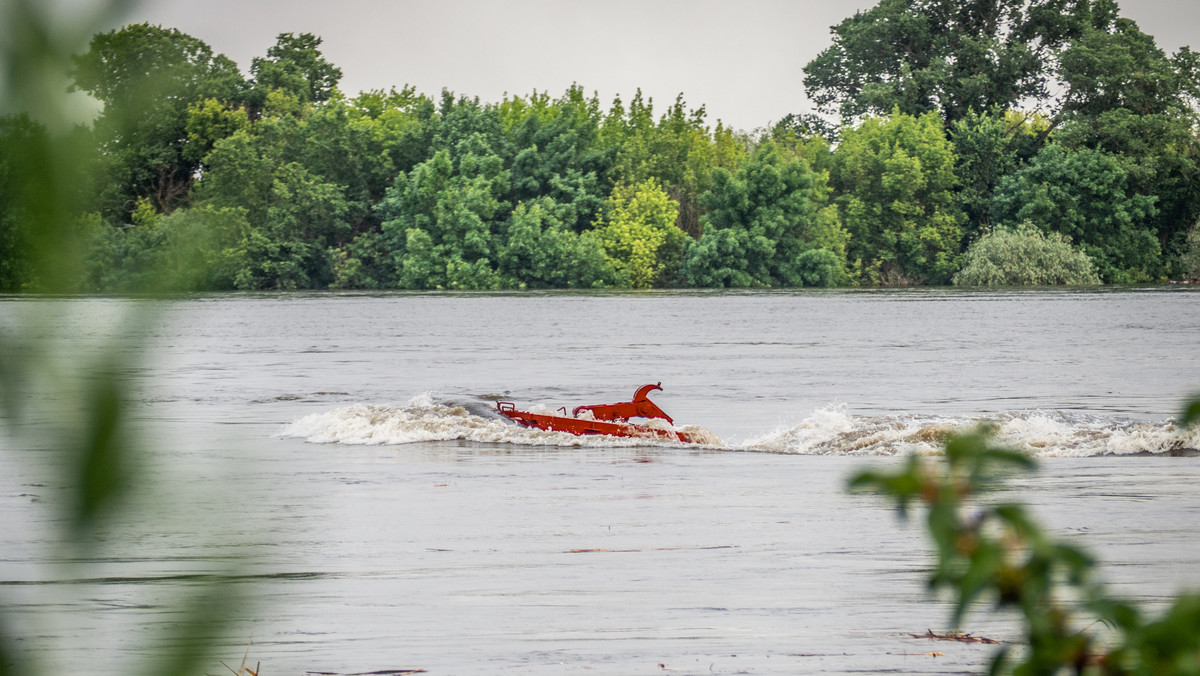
(342, 455)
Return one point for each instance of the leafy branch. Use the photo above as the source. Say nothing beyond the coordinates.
(998, 552)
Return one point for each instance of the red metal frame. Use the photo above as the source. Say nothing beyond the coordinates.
(609, 419)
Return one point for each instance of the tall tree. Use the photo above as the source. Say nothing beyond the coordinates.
(148, 77)
(897, 184)
(679, 150)
(540, 251)
(948, 56)
(441, 220)
(1086, 195)
(559, 152)
(989, 146)
(761, 223)
(295, 65)
(1125, 97)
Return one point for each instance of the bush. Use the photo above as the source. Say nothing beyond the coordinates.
(818, 267)
(1025, 256)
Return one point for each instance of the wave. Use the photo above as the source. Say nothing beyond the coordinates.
(827, 431)
(833, 431)
(424, 419)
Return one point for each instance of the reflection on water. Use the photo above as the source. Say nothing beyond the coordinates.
(479, 548)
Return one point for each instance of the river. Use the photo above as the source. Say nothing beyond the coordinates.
(336, 458)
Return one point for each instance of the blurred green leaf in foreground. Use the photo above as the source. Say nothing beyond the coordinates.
(64, 403)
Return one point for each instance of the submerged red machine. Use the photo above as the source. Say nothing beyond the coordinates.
(610, 419)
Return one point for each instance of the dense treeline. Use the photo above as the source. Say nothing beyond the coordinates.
(971, 131)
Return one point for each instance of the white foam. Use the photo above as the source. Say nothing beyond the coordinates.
(816, 431)
(423, 419)
(1049, 434)
(830, 430)
(833, 431)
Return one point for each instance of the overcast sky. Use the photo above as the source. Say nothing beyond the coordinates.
(741, 59)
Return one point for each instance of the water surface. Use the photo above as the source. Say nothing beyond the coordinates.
(339, 454)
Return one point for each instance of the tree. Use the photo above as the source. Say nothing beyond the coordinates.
(804, 125)
(1189, 256)
(639, 235)
(295, 66)
(1085, 194)
(19, 138)
(294, 215)
(440, 220)
(947, 56)
(540, 251)
(1025, 256)
(1125, 97)
(988, 147)
(191, 249)
(560, 153)
(47, 203)
(897, 185)
(147, 78)
(679, 150)
(209, 121)
(1119, 67)
(760, 222)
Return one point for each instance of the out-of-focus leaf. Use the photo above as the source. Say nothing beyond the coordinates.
(106, 461)
(1191, 412)
(191, 641)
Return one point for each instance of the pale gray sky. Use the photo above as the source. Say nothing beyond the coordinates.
(742, 59)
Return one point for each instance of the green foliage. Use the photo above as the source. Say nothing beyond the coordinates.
(44, 184)
(294, 66)
(1119, 67)
(1085, 195)
(209, 121)
(895, 203)
(294, 216)
(819, 267)
(19, 138)
(1098, 82)
(896, 179)
(946, 56)
(560, 155)
(192, 249)
(440, 220)
(1191, 412)
(639, 235)
(988, 551)
(362, 263)
(761, 222)
(73, 406)
(543, 252)
(679, 150)
(148, 79)
(1125, 97)
(1189, 258)
(988, 147)
(1025, 256)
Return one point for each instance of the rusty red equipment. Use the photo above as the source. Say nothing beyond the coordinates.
(610, 419)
